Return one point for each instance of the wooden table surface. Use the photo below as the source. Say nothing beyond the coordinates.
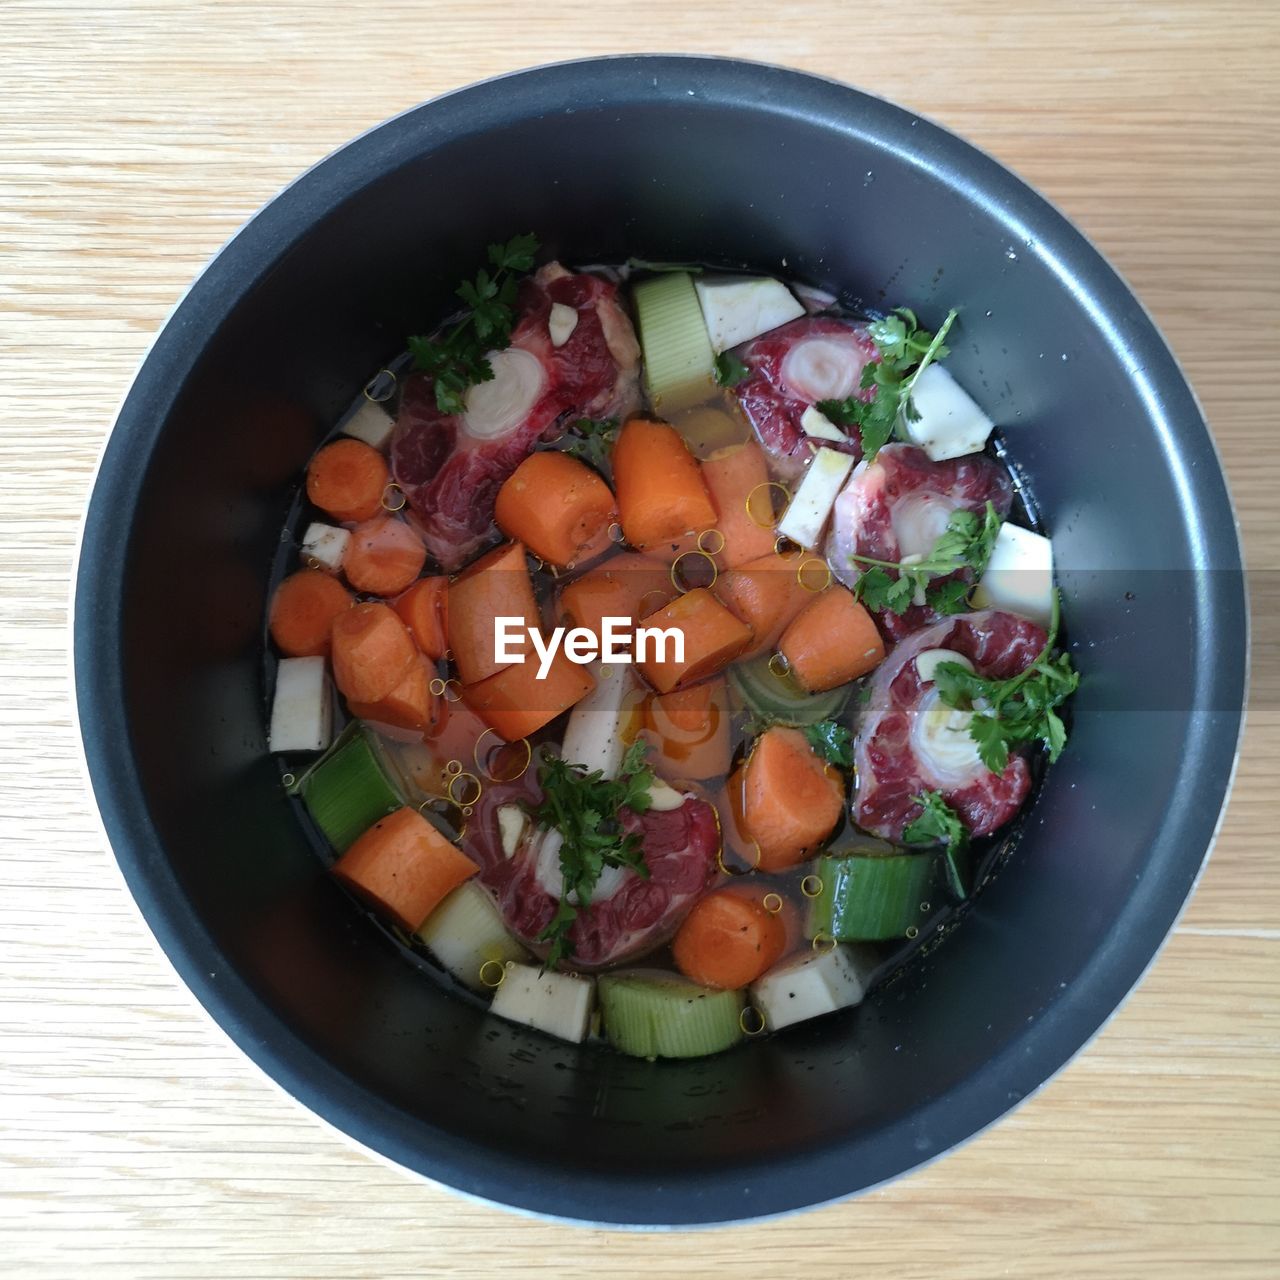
(135, 137)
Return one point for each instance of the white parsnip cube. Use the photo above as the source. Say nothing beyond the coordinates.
(557, 1003)
(302, 709)
(1019, 576)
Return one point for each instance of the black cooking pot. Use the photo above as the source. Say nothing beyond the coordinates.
(663, 158)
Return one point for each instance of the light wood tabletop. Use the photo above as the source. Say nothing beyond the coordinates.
(135, 137)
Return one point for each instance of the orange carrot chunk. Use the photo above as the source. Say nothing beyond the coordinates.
(404, 868)
(831, 641)
(786, 800)
(410, 705)
(514, 703)
(713, 638)
(626, 586)
(728, 940)
(557, 506)
(689, 730)
(495, 586)
(347, 479)
(422, 607)
(383, 556)
(302, 613)
(372, 652)
(766, 594)
(661, 493)
(738, 480)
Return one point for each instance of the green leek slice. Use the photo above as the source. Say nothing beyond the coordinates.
(781, 700)
(351, 786)
(869, 897)
(678, 361)
(655, 1014)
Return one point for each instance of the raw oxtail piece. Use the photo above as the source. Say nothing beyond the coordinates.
(899, 505)
(911, 742)
(791, 369)
(451, 466)
(628, 914)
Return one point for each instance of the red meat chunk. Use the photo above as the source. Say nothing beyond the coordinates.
(628, 915)
(899, 505)
(892, 768)
(450, 476)
(794, 366)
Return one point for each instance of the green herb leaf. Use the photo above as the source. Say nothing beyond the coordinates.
(906, 350)
(592, 440)
(965, 546)
(832, 741)
(939, 823)
(1020, 709)
(585, 808)
(730, 370)
(456, 358)
(949, 597)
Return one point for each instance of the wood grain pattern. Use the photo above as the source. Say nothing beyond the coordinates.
(135, 137)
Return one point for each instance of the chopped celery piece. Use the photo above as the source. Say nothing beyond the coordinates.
(779, 699)
(655, 1014)
(351, 786)
(867, 897)
(678, 361)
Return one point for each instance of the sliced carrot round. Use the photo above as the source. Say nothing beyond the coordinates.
(404, 867)
(347, 479)
(302, 612)
(384, 555)
(372, 652)
(557, 506)
(423, 608)
(728, 940)
(831, 641)
(786, 799)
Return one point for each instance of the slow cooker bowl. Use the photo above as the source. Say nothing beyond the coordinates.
(664, 158)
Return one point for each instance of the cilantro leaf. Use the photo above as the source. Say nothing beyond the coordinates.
(729, 370)
(939, 823)
(963, 548)
(832, 741)
(516, 254)
(456, 358)
(1022, 708)
(585, 808)
(905, 351)
(949, 597)
(592, 440)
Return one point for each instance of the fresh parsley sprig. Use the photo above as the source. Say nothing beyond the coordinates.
(832, 741)
(1020, 709)
(939, 823)
(906, 350)
(729, 370)
(585, 808)
(966, 544)
(592, 440)
(457, 360)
